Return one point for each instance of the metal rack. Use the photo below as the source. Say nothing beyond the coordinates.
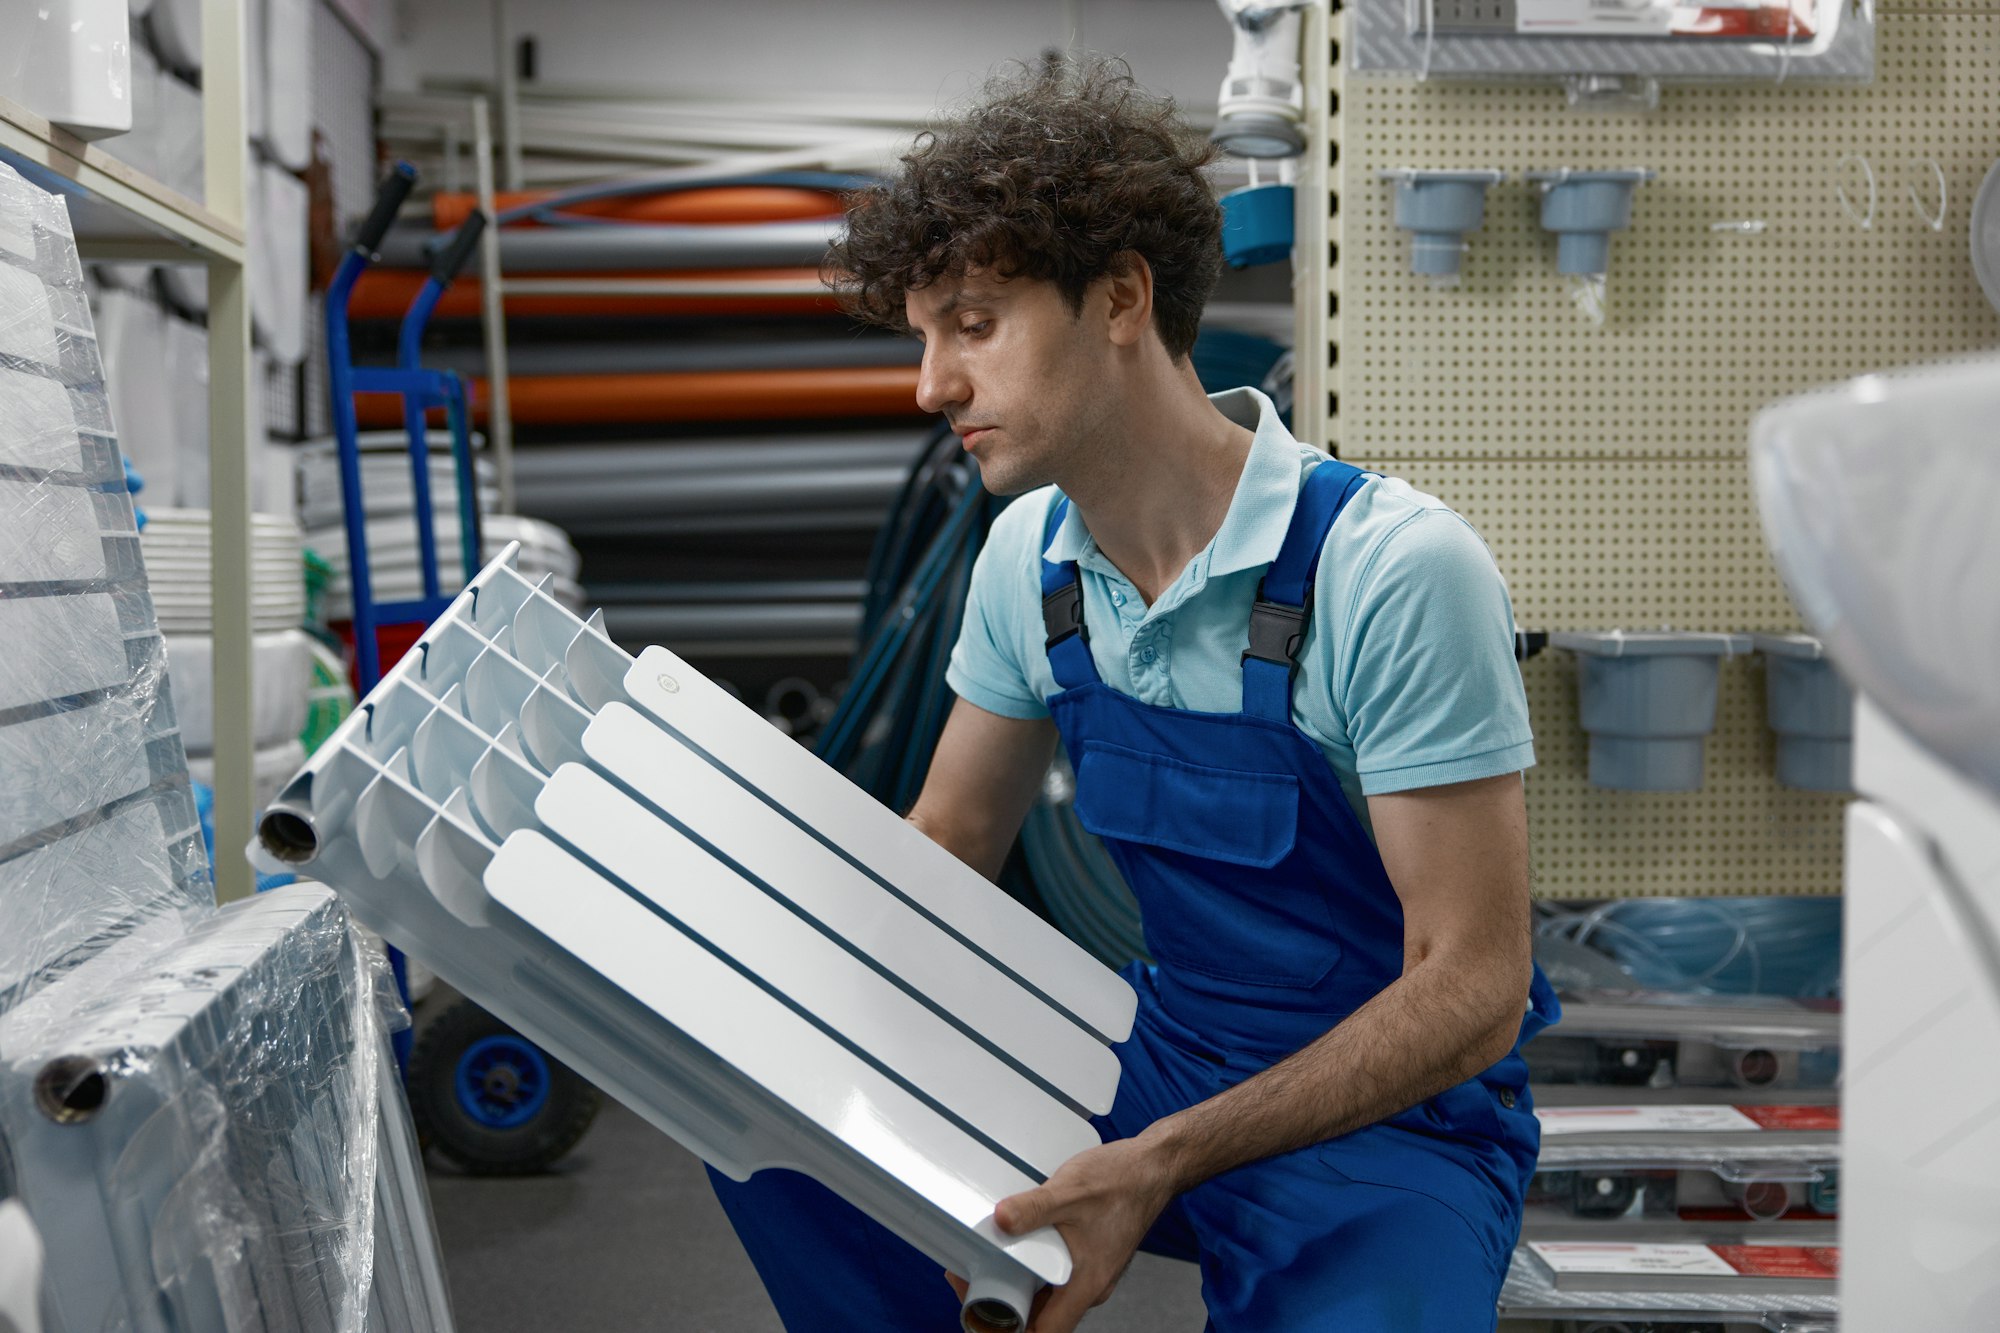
(121, 214)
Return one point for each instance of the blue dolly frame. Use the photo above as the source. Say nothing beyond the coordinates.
(420, 391)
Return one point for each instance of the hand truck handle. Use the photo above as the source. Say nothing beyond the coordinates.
(389, 197)
(451, 256)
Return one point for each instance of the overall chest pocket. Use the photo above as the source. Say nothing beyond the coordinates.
(1205, 851)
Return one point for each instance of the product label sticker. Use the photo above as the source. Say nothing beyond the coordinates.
(1786, 20)
(1643, 1120)
(1794, 1117)
(1811, 1263)
(1817, 1263)
(1594, 18)
(1650, 1260)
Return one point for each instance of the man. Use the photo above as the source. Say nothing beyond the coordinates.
(1289, 693)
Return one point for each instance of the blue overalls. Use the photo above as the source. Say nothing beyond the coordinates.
(1271, 919)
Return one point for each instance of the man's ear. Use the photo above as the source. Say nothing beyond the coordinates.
(1129, 296)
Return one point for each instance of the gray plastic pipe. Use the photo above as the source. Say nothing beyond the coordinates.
(860, 519)
(597, 249)
(773, 590)
(645, 358)
(650, 498)
(671, 624)
(749, 453)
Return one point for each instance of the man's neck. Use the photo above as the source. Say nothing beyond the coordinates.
(1156, 496)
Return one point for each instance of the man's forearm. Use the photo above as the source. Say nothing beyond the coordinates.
(1435, 1026)
(964, 844)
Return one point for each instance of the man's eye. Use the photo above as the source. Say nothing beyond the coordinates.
(977, 329)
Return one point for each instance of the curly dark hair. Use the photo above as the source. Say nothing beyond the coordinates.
(1062, 172)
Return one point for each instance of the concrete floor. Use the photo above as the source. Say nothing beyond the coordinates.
(625, 1235)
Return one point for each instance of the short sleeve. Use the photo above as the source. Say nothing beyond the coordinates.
(986, 667)
(1426, 675)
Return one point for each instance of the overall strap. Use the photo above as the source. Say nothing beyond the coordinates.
(1285, 596)
(1068, 641)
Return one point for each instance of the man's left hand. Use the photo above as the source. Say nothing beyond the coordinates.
(1102, 1201)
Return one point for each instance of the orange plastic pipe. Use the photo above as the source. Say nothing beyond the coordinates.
(385, 293)
(722, 203)
(723, 395)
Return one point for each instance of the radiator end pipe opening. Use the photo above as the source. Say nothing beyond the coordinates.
(288, 835)
(72, 1089)
(996, 1305)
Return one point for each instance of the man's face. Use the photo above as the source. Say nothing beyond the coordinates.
(1012, 368)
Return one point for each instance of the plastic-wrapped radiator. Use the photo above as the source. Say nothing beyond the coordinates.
(98, 834)
(200, 1128)
(209, 1135)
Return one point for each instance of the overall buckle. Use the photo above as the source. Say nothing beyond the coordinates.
(1277, 631)
(1062, 614)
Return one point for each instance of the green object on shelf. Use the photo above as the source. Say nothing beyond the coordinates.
(330, 699)
(318, 575)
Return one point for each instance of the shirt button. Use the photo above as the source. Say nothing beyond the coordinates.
(1117, 598)
(1148, 655)
(1507, 1098)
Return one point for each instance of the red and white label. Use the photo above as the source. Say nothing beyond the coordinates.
(1558, 1120)
(1817, 1263)
(1643, 1120)
(1794, 1117)
(1814, 1263)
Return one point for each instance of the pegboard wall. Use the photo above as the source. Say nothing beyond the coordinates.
(1606, 466)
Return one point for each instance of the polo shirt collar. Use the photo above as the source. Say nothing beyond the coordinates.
(1259, 512)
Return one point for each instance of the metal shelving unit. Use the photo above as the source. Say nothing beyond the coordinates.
(1312, 232)
(124, 215)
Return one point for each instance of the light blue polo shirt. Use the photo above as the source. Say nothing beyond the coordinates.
(1407, 677)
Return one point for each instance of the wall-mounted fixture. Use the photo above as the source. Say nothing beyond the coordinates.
(1647, 698)
(1440, 209)
(1812, 710)
(1583, 208)
(1260, 110)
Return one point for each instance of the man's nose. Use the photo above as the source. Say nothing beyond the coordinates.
(940, 380)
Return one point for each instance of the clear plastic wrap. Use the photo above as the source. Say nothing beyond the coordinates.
(98, 834)
(208, 1133)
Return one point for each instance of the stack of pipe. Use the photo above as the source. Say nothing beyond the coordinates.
(721, 450)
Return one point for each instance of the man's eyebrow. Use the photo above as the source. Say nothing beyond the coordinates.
(968, 296)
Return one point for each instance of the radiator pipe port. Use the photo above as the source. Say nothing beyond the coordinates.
(995, 1305)
(288, 835)
(72, 1089)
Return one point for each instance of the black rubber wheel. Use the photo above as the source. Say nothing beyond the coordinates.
(489, 1100)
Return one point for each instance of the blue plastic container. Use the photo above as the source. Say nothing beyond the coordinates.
(1257, 225)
